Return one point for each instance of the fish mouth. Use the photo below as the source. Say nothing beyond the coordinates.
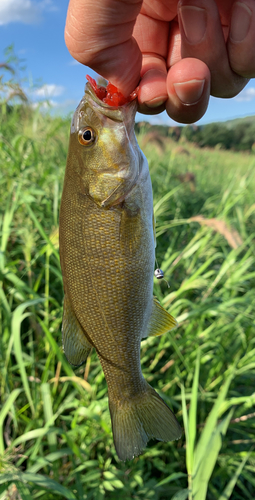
(116, 113)
(120, 114)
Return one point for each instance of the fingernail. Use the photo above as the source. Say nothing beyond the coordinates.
(189, 92)
(194, 22)
(240, 22)
(155, 103)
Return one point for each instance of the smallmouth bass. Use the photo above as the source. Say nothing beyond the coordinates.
(107, 253)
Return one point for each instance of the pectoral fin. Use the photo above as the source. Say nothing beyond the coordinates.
(160, 321)
(76, 346)
(131, 228)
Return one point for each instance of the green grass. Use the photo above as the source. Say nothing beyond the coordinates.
(55, 432)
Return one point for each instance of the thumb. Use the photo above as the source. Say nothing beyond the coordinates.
(99, 35)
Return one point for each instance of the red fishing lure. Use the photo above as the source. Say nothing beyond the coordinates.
(110, 94)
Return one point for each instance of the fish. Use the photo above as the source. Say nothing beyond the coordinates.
(107, 255)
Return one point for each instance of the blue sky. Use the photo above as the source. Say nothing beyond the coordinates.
(36, 29)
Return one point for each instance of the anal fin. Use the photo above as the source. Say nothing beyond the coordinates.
(160, 321)
(75, 344)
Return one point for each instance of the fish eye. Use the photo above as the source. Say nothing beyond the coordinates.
(86, 136)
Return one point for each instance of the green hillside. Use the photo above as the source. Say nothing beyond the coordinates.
(240, 121)
(238, 134)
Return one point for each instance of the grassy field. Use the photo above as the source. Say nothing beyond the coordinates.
(55, 433)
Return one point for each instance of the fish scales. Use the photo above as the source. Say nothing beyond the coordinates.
(107, 253)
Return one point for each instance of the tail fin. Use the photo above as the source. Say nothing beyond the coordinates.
(139, 419)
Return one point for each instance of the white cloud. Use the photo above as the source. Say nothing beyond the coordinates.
(48, 90)
(44, 105)
(23, 11)
(49, 5)
(246, 95)
(63, 108)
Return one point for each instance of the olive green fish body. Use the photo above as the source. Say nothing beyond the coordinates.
(107, 257)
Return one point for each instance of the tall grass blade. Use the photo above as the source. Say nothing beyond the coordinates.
(7, 225)
(159, 206)
(203, 473)
(169, 479)
(228, 490)
(202, 446)
(192, 426)
(34, 434)
(23, 491)
(48, 414)
(43, 482)
(42, 232)
(49, 459)
(17, 319)
(4, 412)
(181, 495)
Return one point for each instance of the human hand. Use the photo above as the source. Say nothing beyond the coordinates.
(181, 51)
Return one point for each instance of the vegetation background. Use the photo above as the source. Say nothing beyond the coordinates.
(55, 433)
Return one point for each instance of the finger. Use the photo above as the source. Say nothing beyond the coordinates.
(202, 38)
(152, 93)
(174, 47)
(152, 37)
(188, 86)
(99, 34)
(241, 40)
